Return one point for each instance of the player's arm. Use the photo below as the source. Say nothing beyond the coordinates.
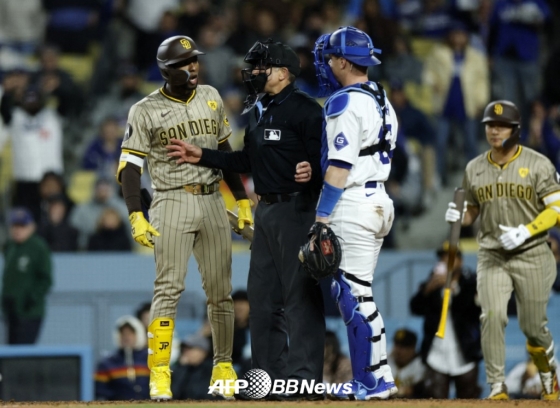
(128, 174)
(471, 214)
(549, 217)
(233, 181)
(333, 187)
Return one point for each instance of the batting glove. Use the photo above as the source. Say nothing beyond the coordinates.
(453, 215)
(244, 215)
(513, 236)
(142, 231)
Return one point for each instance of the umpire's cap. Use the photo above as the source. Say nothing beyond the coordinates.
(502, 111)
(175, 50)
(273, 54)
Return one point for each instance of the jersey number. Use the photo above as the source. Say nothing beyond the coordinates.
(384, 157)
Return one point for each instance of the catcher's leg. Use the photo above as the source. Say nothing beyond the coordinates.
(365, 332)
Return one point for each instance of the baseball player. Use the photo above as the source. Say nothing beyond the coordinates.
(360, 135)
(516, 193)
(188, 213)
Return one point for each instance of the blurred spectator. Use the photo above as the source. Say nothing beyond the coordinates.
(36, 133)
(193, 14)
(406, 365)
(52, 184)
(402, 65)
(72, 24)
(56, 83)
(514, 48)
(337, 367)
(22, 24)
(85, 217)
(554, 239)
(433, 20)
(146, 14)
(192, 371)
(56, 229)
(147, 43)
(258, 24)
(14, 84)
(524, 381)
(415, 125)
(124, 375)
(217, 63)
(454, 358)
(394, 185)
(458, 77)
(241, 354)
(307, 79)
(102, 155)
(407, 12)
(118, 101)
(26, 280)
(551, 79)
(143, 314)
(111, 233)
(382, 30)
(543, 132)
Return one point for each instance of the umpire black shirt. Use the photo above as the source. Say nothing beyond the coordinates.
(286, 131)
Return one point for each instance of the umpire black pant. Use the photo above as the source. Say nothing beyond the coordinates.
(286, 317)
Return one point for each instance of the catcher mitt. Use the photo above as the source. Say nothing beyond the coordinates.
(321, 255)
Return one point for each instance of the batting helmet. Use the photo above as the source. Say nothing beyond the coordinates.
(503, 111)
(171, 53)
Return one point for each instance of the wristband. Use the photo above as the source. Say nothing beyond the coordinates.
(329, 197)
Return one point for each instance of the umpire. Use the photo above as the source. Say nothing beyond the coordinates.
(282, 149)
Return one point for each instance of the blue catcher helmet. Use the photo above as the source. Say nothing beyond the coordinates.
(347, 42)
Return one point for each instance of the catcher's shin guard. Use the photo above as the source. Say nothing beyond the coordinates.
(359, 329)
(544, 360)
(160, 336)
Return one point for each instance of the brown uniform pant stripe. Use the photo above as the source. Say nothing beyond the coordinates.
(196, 224)
(531, 274)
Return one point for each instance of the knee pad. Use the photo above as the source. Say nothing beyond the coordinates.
(160, 337)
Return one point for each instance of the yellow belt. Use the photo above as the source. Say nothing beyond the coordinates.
(202, 189)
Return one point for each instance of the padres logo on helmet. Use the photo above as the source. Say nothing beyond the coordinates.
(498, 109)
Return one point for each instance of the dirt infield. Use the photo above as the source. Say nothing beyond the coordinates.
(269, 404)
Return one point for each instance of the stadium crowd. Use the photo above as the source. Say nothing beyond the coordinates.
(70, 70)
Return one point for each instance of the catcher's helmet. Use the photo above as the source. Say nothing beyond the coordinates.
(347, 42)
(504, 111)
(173, 51)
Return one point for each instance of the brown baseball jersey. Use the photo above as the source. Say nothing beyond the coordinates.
(509, 195)
(188, 223)
(157, 118)
(512, 194)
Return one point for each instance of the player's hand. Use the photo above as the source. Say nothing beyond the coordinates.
(244, 215)
(183, 151)
(453, 215)
(513, 236)
(303, 172)
(142, 231)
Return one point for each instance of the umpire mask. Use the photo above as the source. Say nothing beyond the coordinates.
(259, 57)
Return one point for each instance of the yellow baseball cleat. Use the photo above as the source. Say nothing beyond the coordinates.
(224, 372)
(160, 383)
(499, 392)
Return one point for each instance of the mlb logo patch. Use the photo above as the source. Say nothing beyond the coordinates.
(272, 134)
(340, 141)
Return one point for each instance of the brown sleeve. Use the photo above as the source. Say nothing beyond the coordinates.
(130, 178)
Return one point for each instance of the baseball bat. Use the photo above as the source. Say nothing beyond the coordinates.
(454, 233)
(246, 232)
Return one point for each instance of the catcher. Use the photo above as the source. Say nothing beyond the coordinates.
(361, 130)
